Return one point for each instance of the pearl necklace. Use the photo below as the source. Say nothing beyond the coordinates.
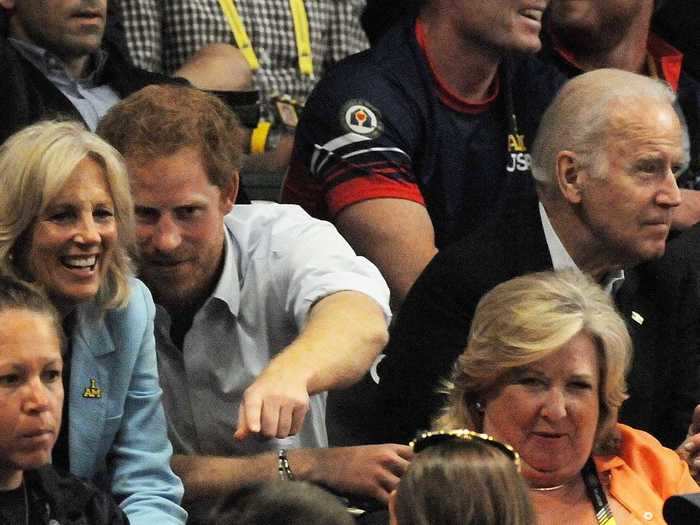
(548, 489)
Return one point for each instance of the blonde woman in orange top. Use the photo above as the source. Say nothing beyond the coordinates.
(544, 370)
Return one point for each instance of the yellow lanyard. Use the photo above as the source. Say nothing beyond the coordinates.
(301, 32)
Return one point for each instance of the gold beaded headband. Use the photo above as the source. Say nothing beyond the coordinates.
(429, 438)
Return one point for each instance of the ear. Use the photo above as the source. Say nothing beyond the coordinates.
(392, 508)
(569, 176)
(229, 193)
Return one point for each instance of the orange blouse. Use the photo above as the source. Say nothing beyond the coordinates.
(644, 474)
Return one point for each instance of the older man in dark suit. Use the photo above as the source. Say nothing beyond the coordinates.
(605, 163)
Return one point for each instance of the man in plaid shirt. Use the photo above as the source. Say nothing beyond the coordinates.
(163, 35)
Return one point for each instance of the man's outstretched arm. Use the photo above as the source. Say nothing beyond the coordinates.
(344, 333)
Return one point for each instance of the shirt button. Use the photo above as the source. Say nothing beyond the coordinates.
(648, 516)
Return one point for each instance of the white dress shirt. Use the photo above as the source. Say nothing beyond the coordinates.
(278, 263)
(561, 260)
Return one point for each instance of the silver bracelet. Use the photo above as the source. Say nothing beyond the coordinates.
(283, 468)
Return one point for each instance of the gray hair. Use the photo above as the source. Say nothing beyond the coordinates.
(580, 118)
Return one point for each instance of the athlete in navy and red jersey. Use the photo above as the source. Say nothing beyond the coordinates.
(386, 127)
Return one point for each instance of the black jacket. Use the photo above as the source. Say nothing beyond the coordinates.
(27, 96)
(68, 500)
(432, 327)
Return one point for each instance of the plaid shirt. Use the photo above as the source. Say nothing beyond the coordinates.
(163, 34)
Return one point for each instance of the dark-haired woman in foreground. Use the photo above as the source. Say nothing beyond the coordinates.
(31, 400)
(460, 477)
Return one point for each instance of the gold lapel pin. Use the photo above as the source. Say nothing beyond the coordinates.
(92, 391)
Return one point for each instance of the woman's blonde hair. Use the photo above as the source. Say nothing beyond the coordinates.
(35, 164)
(527, 319)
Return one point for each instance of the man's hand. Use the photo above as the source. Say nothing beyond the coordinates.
(344, 332)
(273, 406)
(689, 450)
(371, 471)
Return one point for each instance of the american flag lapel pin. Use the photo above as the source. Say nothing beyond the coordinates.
(637, 318)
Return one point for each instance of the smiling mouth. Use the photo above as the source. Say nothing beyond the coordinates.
(532, 14)
(79, 262)
(548, 435)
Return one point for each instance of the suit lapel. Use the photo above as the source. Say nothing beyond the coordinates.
(89, 391)
(639, 313)
(635, 307)
(528, 251)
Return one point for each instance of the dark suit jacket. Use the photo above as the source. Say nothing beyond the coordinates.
(432, 327)
(27, 96)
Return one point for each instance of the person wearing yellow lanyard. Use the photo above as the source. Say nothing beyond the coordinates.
(301, 33)
(286, 45)
(285, 108)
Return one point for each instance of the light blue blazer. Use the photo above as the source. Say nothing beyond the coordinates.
(118, 436)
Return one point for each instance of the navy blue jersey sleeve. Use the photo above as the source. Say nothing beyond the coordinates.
(355, 141)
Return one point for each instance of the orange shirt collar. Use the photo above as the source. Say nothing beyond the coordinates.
(668, 59)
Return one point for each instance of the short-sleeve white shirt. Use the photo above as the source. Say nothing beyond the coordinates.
(278, 263)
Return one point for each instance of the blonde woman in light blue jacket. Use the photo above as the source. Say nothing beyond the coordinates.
(66, 224)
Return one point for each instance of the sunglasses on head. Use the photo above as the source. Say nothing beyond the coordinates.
(429, 438)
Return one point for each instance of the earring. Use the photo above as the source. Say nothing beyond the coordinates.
(479, 407)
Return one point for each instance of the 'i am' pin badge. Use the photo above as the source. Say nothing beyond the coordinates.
(93, 391)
